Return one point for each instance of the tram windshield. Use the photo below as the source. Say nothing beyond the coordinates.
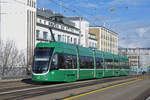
(41, 59)
(43, 52)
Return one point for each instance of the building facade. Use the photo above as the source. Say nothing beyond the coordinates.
(17, 23)
(63, 29)
(83, 25)
(107, 40)
(139, 57)
(92, 41)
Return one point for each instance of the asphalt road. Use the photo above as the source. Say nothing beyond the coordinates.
(28, 89)
(135, 89)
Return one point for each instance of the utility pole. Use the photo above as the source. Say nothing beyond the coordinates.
(52, 35)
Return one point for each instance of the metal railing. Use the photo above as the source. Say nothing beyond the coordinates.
(15, 73)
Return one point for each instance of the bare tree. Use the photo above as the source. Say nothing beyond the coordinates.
(1, 55)
(10, 56)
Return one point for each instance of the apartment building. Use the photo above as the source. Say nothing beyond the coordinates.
(107, 40)
(139, 57)
(83, 25)
(63, 29)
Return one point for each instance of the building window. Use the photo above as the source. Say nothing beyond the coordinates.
(67, 28)
(45, 22)
(37, 34)
(71, 39)
(72, 30)
(28, 2)
(67, 39)
(62, 38)
(93, 45)
(40, 21)
(45, 35)
(34, 4)
(57, 26)
(52, 24)
(49, 23)
(31, 3)
(62, 27)
(75, 41)
(59, 37)
(89, 44)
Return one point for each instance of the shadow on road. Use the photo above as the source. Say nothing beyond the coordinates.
(29, 81)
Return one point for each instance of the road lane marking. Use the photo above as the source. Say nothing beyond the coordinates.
(13, 91)
(102, 89)
(148, 98)
(48, 87)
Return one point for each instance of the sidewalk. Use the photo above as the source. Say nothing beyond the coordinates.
(11, 80)
(14, 79)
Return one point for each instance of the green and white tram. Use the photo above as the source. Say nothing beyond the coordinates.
(61, 62)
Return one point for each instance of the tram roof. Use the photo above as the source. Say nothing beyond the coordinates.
(83, 51)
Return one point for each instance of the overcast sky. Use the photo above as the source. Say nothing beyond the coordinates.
(129, 18)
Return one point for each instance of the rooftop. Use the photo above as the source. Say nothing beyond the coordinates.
(75, 18)
(134, 48)
(57, 17)
(103, 27)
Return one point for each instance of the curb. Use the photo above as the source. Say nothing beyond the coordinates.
(11, 80)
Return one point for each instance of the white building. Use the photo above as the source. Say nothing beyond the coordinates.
(83, 25)
(138, 57)
(17, 23)
(92, 41)
(63, 29)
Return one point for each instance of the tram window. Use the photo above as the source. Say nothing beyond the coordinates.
(99, 63)
(116, 64)
(43, 52)
(74, 62)
(86, 62)
(91, 61)
(65, 61)
(123, 65)
(61, 61)
(68, 61)
(82, 62)
(54, 63)
(127, 65)
(109, 63)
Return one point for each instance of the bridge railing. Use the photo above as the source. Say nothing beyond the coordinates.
(15, 73)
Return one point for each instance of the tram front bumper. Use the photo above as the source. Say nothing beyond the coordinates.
(40, 78)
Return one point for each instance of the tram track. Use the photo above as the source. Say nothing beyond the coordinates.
(36, 90)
